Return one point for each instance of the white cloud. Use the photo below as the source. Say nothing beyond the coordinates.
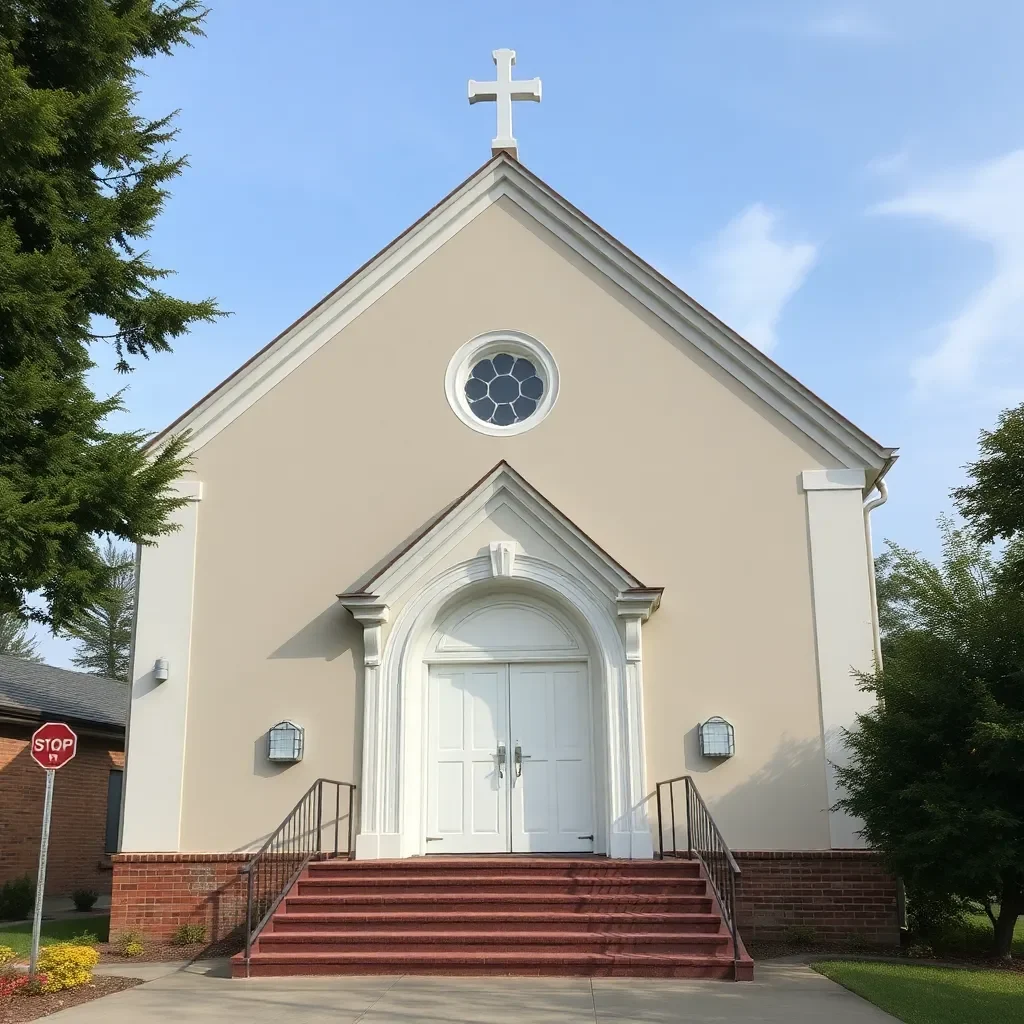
(845, 25)
(752, 273)
(986, 203)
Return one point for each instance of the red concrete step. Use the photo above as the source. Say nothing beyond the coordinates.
(468, 922)
(457, 903)
(339, 883)
(575, 941)
(506, 867)
(566, 963)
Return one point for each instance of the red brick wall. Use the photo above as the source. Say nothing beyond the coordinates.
(843, 895)
(155, 893)
(77, 859)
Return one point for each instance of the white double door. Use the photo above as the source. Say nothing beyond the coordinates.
(509, 759)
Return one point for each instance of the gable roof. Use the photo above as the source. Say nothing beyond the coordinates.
(504, 177)
(501, 485)
(35, 691)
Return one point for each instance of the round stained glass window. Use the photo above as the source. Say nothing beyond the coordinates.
(501, 383)
(504, 389)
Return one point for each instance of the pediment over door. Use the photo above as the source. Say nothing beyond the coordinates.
(503, 523)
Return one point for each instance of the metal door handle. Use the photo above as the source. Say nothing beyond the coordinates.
(519, 757)
(501, 760)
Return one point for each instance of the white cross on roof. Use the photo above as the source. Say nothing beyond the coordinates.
(503, 92)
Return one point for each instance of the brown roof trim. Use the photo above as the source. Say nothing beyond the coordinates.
(672, 286)
(889, 454)
(366, 590)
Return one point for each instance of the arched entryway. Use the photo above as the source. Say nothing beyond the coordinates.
(509, 763)
(547, 598)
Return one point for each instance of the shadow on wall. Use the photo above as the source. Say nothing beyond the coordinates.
(328, 636)
(769, 810)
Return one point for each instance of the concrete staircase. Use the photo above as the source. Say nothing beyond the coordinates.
(499, 916)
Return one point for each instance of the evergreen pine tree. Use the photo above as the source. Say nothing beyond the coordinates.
(104, 630)
(82, 178)
(14, 639)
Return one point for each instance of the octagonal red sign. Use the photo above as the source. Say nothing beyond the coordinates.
(53, 745)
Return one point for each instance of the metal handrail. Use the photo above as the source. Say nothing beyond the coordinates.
(277, 865)
(705, 842)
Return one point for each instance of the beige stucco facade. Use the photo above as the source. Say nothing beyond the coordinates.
(663, 458)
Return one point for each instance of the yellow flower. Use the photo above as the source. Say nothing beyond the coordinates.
(66, 966)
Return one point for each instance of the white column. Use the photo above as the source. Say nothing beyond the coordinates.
(842, 620)
(634, 608)
(155, 758)
(371, 841)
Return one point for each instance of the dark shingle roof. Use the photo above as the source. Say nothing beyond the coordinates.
(27, 686)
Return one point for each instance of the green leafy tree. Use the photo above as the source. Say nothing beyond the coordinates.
(104, 629)
(937, 766)
(993, 502)
(82, 178)
(14, 638)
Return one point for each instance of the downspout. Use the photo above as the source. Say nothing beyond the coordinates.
(869, 507)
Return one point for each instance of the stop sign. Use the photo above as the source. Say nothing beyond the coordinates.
(53, 745)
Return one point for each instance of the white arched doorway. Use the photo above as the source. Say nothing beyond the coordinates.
(456, 598)
(509, 763)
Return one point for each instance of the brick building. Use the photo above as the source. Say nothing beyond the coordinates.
(87, 792)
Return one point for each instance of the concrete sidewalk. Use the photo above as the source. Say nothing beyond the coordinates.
(202, 992)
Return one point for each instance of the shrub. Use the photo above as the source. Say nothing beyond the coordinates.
(7, 955)
(85, 899)
(66, 966)
(85, 938)
(129, 944)
(189, 935)
(801, 934)
(17, 898)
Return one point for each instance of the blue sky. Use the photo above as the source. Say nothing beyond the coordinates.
(843, 184)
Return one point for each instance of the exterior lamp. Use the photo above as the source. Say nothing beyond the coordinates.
(161, 670)
(285, 742)
(717, 738)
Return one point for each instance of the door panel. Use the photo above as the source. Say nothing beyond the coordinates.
(552, 790)
(467, 796)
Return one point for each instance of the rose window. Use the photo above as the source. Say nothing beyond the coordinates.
(504, 389)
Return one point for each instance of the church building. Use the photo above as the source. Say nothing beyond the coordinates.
(513, 594)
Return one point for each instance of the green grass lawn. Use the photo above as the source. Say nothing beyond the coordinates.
(973, 935)
(933, 995)
(19, 936)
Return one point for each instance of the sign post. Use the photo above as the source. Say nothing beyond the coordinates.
(52, 746)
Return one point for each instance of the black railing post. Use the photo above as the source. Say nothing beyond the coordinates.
(734, 929)
(351, 801)
(672, 808)
(689, 821)
(319, 814)
(248, 922)
(661, 826)
(337, 816)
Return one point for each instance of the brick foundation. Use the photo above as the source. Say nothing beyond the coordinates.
(156, 893)
(77, 859)
(843, 895)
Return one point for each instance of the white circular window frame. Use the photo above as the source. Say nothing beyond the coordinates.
(515, 343)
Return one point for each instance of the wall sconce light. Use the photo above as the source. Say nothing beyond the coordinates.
(717, 738)
(285, 742)
(161, 670)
